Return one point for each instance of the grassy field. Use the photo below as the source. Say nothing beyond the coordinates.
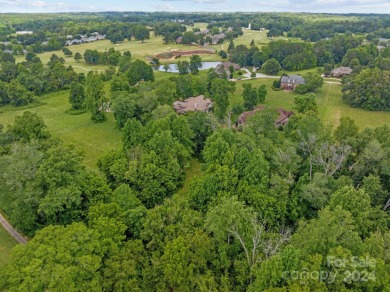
(151, 47)
(92, 139)
(330, 105)
(138, 50)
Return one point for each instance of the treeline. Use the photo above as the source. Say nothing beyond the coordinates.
(109, 57)
(19, 83)
(368, 89)
(119, 26)
(266, 206)
(341, 50)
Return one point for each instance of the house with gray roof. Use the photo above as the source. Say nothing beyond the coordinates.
(73, 42)
(216, 39)
(291, 82)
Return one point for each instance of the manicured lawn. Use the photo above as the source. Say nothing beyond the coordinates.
(94, 140)
(330, 105)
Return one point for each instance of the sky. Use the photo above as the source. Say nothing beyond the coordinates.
(330, 6)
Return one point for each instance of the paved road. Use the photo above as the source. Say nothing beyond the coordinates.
(79, 67)
(12, 231)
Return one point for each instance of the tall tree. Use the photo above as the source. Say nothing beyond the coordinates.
(141, 33)
(195, 64)
(250, 96)
(306, 103)
(77, 96)
(139, 71)
(261, 93)
(220, 90)
(29, 126)
(78, 57)
(271, 67)
(95, 97)
(183, 67)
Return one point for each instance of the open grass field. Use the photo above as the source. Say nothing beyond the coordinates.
(92, 139)
(138, 50)
(330, 105)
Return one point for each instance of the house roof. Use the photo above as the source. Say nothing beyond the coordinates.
(227, 64)
(281, 120)
(342, 70)
(293, 79)
(192, 104)
(217, 37)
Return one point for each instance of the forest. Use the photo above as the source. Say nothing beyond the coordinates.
(196, 201)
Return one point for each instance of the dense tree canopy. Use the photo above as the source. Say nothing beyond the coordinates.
(369, 89)
(189, 202)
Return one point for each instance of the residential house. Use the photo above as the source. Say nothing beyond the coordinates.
(291, 82)
(224, 67)
(281, 120)
(24, 32)
(227, 64)
(192, 104)
(179, 40)
(341, 71)
(216, 39)
(90, 39)
(93, 38)
(73, 42)
(101, 37)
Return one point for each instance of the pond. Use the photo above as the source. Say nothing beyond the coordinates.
(205, 66)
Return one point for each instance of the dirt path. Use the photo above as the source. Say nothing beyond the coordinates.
(12, 231)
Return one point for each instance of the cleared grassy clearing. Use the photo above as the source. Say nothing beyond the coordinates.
(92, 139)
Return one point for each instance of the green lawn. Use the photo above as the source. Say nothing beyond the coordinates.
(330, 105)
(92, 139)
